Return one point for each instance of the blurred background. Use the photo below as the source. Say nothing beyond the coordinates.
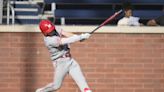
(78, 12)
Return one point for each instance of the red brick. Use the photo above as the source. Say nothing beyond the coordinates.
(144, 90)
(110, 62)
(124, 90)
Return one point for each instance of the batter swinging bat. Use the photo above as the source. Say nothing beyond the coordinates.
(107, 20)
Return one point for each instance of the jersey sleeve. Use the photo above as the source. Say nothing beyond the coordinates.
(52, 41)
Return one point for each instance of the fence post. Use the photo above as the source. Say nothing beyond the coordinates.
(1, 11)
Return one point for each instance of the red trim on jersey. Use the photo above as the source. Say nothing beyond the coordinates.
(86, 89)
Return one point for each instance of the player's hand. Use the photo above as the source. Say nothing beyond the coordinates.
(85, 36)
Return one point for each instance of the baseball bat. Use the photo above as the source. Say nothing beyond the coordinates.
(106, 21)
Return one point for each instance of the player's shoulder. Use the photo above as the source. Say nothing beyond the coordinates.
(51, 38)
(59, 29)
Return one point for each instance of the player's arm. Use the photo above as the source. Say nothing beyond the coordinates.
(74, 38)
(57, 41)
(68, 38)
(64, 33)
(71, 37)
(67, 34)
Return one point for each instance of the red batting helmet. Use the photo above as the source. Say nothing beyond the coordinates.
(46, 27)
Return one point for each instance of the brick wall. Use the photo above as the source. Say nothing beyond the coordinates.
(110, 62)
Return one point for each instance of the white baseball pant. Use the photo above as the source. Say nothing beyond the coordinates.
(62, 67)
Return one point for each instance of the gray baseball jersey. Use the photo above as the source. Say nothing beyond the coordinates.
(52, 43)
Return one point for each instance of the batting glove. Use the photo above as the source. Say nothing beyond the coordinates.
(85, 36)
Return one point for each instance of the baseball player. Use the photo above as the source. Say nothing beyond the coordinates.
(57, 41)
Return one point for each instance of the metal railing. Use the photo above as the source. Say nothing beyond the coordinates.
(9, 6)
(1, 11)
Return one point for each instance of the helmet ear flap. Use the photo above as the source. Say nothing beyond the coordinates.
(46, 27)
